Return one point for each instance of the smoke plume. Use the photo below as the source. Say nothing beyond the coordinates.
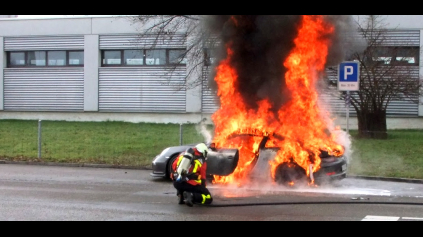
(260, 45)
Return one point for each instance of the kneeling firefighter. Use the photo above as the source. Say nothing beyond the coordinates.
(189, 178)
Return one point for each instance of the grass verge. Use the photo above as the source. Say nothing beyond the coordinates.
(136, 144)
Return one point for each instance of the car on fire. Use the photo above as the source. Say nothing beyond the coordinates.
(223, 162)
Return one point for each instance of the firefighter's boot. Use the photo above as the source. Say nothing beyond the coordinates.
(180, 199)
(189, 199)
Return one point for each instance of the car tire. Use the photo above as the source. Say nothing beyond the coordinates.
(169, 169)
(290, 175)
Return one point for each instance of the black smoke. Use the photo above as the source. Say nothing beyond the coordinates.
(261, 43)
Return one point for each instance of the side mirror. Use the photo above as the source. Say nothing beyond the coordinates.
(213, 146)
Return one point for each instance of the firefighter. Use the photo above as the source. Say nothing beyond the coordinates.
(189, 178)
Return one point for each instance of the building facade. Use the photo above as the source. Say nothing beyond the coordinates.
(99, 69)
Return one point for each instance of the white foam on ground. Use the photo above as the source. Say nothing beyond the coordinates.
(262, 189)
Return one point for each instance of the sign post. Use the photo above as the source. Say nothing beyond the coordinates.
(348, 80)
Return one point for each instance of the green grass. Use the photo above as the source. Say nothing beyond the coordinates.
(400, 156)
(136, 144)
(117, 143)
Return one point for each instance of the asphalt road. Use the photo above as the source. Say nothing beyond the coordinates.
(61, 193)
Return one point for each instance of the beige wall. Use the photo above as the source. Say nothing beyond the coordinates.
(68, 26)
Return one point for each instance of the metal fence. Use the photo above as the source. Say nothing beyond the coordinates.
(118, 143)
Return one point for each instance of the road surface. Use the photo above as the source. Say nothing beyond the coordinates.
(47, 193)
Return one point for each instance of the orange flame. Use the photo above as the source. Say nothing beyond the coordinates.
(303, 131)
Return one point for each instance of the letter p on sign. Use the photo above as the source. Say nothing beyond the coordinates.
(348, 70)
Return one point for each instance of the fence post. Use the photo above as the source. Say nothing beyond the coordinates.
(39, 139)
(180, 134)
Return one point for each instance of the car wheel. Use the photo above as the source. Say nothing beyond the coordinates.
(169, 169)
(290, 174)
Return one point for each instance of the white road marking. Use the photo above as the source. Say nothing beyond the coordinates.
(412, 218)
(381, 218)
(390, 218)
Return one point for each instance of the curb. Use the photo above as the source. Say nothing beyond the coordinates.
(404, 180)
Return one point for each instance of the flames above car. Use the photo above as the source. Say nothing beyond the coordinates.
(296, 124)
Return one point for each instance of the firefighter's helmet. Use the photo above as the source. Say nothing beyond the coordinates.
(202, 148)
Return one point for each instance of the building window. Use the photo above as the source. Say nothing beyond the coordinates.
(155, 57)
(177, 56)
(76, 58)
(112, 57)
(43, 58)
(17, 59)
(56, 58)
(209, 56)
(143, 57)
(37, 58)
(401, 56)
(133, 57)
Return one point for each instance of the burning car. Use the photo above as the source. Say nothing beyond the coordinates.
(271, 122)
(223, 162)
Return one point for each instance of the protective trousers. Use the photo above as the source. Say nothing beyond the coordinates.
(201, 194)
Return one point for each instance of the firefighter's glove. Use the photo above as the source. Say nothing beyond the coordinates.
(181, 178)
(193, 176)
(175, 175)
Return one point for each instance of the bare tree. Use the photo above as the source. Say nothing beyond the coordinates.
(198, 40)
(388, 72)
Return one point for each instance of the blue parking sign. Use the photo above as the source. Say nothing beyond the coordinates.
(348, 76)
